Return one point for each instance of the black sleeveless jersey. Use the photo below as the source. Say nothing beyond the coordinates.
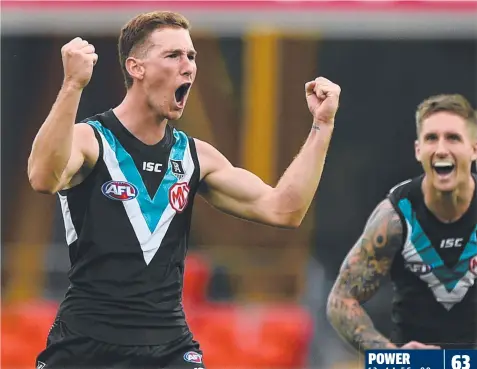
(127, 227)
(435, 298)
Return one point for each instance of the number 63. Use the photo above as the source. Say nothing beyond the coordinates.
(460, 362)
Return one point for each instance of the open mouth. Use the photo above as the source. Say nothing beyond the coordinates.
(443, 168)
(181, 92)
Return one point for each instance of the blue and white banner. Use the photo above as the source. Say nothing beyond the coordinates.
(420, 359)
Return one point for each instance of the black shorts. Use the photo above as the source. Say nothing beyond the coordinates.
(68, 350)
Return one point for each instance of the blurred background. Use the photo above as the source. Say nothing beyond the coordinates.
(255, 296)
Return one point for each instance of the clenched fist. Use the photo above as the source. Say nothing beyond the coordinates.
(322, 97)
(79, 59)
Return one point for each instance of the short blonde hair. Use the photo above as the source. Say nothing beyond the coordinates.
(455, 104)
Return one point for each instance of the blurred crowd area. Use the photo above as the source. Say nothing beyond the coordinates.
(255, 296)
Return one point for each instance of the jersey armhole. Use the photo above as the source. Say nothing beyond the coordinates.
(195, 158)
(93, 171)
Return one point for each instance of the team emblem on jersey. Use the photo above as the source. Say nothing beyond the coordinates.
(178, 196)
(419, 268)
(119, 190)
(177, 169)
(473, 265)
(40, 365)
(193, 357)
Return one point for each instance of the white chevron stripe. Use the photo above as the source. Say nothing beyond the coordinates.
(71, 235)
(132, 206)
(151, 247)
(150, 243)
(446, 298)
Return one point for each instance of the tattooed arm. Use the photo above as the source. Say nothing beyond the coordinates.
(361, 274)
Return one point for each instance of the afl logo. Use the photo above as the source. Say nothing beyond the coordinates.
(193, 357)
(179, 196)
(473, 265)
(119, 190)
(419, 268)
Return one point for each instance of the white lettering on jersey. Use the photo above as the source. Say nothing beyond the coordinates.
(152, 167)
(449, 243)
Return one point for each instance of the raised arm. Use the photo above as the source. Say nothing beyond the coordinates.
(61, 148)
(361, 274)
(241, 193)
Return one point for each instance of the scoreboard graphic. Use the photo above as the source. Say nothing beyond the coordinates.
(421, 359)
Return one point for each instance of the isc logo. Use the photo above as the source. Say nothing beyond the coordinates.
(151, 167)
(449, 243)
(119, 190)
(178, 196)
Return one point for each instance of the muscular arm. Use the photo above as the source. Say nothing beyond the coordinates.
(361, 274)
(242, 194)
(61, 148)
(62, 151)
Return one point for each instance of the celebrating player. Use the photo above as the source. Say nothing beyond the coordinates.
(127, 180)
(425, 236)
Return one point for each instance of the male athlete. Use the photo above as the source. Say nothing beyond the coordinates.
(424, 235)
(127, 179)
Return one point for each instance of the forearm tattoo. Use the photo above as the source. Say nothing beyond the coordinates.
(361, 274)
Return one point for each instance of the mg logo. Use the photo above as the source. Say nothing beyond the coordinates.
(178, 196)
